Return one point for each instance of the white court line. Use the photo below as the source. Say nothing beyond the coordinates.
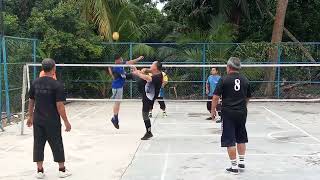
(224, 154)
(188, 135)
(165, 166)
(196, 124)
(291, 124)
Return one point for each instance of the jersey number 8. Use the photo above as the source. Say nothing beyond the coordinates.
(237, 84)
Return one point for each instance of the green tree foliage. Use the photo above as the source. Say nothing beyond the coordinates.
(70, 41)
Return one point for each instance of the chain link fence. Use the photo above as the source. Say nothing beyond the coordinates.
(16, 52)
(184, 83)
(189, 83)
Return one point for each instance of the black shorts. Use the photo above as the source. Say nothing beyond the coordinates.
(147, 104)
(52, 134)
(233, 128)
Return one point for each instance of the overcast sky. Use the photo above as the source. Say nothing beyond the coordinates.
(159, 5)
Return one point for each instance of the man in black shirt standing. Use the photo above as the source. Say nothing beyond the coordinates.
(150, 88)
(45, 109)
(235, 92)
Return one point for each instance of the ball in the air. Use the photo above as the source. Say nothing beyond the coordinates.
(115, 36)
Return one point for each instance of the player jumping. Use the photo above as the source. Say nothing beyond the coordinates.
(119, 76)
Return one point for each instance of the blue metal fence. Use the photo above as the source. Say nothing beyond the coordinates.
(15, 53)
(18, 51)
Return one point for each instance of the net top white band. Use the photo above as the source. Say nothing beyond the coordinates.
(181, 65)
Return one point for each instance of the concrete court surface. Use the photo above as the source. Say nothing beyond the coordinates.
(284, 144)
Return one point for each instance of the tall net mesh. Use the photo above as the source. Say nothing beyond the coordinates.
(188, 82)
(16, 52)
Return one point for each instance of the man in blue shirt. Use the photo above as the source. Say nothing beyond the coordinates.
(212, 82)
(119, 77)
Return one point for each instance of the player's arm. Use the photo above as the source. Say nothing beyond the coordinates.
(145, 71)
(249, 95)
(141, 74)
(30, 110)
(31, 105)
(60, 99)
(207, 87)
(134, 61)
(109, 71)
(62, 112)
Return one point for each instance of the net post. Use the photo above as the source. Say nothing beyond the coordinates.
(203, 71)
(34, 58)
(23, 96)
(131, 57)
(28, 77)
(278, 72)
(6, 82)
(1, 87)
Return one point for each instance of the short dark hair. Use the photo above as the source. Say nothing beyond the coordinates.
(117, 56)
(159, 65)
(48, 64)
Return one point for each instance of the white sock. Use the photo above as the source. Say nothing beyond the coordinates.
(241, 159)
(234, 164)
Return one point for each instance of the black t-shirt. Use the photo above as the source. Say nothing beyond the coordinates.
(150, 90)
(234, 89)
(46, 92)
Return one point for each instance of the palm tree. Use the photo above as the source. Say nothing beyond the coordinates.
(115, 16)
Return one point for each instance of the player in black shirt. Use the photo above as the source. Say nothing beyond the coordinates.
(150, 88)
(235, 91)
(45, 108)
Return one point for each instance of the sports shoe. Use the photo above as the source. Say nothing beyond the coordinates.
(64, 174)
(147, 136)
(164, 114)
(241, 166)
(150, 114)
(40, 175)
(218, 119)
(115, 123)
(232, 171)
(209, 118)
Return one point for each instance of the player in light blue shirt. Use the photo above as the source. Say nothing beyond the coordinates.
(211, 84)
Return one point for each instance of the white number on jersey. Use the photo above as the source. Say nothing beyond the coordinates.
(237, 84)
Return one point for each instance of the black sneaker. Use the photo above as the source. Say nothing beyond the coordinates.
(232, 171)
(147, 136)
(209, 118)
(241, 166)
(115, 123)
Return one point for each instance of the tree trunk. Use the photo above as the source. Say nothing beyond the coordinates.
(288, 33)
(276, 38)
